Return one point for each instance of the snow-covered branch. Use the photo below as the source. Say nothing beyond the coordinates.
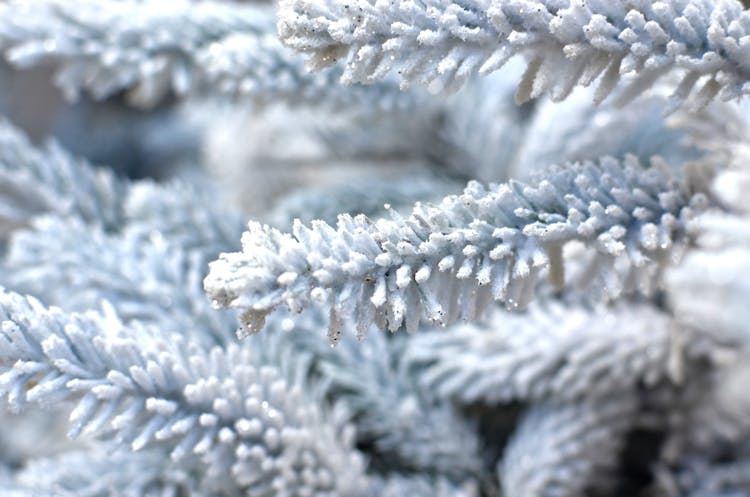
(50, 180)
(549, 352)
(398, 485)
(245, 423)
(562, 450)
(146, 278)
(448, 261)
(101, 473)
(567, 43)
(153, 49)
(382, 399)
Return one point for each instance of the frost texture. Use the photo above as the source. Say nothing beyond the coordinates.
(149, 389)
(619, 366)
(152, 49)
(99, 474)
(61, 183)
(709, 289)
(567, 43)
(72, 266)
(562, 450)
(566, 354)
(406, 428)
(448, 261)
(151, 271)
(398, 486)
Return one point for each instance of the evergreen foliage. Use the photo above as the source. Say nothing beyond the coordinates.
(573, 324)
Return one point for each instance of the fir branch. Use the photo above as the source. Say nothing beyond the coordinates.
(153, 49)
(241, 422)
(420, 486)
(147, 276)
(574, 131)
(41, 180)
(36, 181)
(567, 354)
(406, 429)
(568, 43)
(563, 450)
(73, 266)
(97, 473)
(185, 216)
(448, 261)
(144, 276)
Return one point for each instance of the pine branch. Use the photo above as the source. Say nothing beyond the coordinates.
(574, 131)
(566, 354)
(146, 275)
(448, 261)
(154, 49)
(241, 422)
(182, 215)
(563, 450)
(407, 431)
(421, 486)
(568, 43)
(97, 473)
(35, 181)
(39, 180)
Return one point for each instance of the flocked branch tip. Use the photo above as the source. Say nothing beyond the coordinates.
(568, 43)
(448, 261)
